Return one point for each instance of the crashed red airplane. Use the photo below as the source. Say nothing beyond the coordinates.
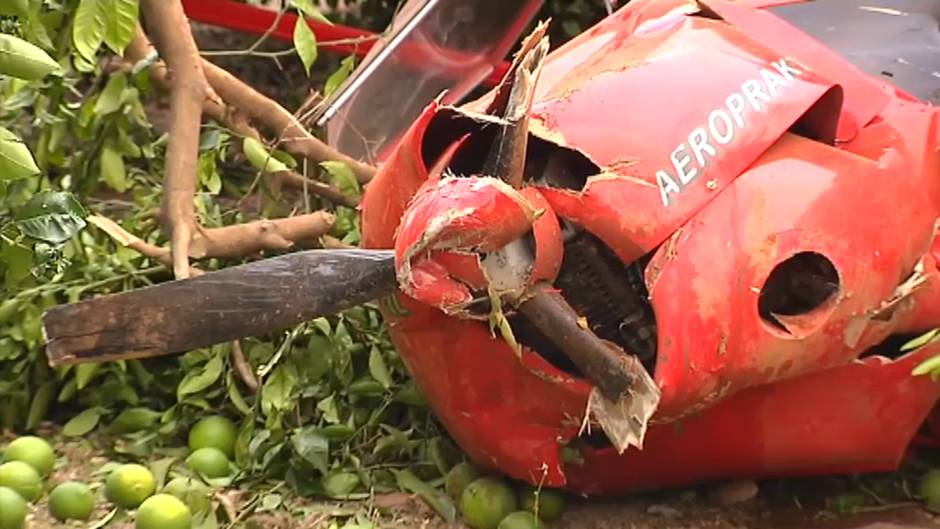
(720, 197)
(687, 245)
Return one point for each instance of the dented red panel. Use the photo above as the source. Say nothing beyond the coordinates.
(854, 418)
(801, 196)
(720, 99)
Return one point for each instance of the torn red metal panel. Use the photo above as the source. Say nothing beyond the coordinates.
(666, 158)
(804, 205)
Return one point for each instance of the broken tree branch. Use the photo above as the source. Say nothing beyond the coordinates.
(233, 119)
(267, 234)
(279, 122)
(188, 91)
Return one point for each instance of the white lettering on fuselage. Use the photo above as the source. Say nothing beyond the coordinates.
(690, 158)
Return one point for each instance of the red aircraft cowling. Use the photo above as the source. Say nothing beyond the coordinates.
(787, 158)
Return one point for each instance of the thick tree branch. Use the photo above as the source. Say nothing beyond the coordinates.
(253, 237)
(278, 121)
(189, 87)
(236, 121)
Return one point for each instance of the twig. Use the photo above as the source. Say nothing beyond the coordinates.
(188, 91)
(245, 372)
(324, 190)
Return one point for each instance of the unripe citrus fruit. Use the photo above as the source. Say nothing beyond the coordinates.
(485, 502)
(192, 492)
(520, 520)
(214, 431)
(209, 461)
(22, 478)
(458, 477)
(128, 485)
(33, 451)
(12, 509)
(551, 503)
(71, 501)
(163, 511)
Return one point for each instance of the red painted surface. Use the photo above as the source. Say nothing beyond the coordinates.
(740, 397)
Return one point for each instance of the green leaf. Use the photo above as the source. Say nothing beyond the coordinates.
(927, 366)
(40, 404)
(135, 419)
(313, 447)
(328, 407)
(236, 397)
(112, 96)
(89, 26)
(14, 8)
(196, 381)
(270, 502)
(259, 157)
(18, 260)
(378, 369)
(309, 9)
(920, 341)
(24, 60)
(15, 159)
(84, 373)
(437, 500)
(209, 174)
(82, 423)
(340, 484)
(160, 469)
(113, 171)
(306, 43)
(51, 216)
(277, 390)
(342, 177)
(120, 24)
(336, 78)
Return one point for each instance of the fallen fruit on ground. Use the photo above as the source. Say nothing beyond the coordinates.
(22, 478)
(192, 492)
(210, 462)
(163, 511)
(486, 501)
(214, 431)
(520, 520)
(130, 484)
(71, 500)
(458, 477)
(12, 509)
(930, 488)
(32, 450)
(551, 503)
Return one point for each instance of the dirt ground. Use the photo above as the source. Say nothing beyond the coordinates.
(777, 505)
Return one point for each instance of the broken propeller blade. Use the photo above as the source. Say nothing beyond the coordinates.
(216, 307)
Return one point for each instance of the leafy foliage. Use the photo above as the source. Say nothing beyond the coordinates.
(335, 407)
(335, 415)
